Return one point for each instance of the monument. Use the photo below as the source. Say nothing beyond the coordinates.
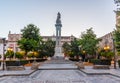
(58, 47)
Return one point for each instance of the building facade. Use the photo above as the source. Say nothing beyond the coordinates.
(12, 41)
(106, 40)
(64, 39)
(13, 38)
(3, 47)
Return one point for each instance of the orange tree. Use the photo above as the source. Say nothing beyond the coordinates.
(30, 39)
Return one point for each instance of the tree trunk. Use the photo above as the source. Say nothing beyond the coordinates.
(25, 54)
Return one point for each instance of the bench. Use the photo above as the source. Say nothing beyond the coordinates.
(101, 67)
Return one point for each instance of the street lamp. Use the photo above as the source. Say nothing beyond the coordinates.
(117, 2)
(79, 47)
(3, 65)
(10, 49)
(84, 56)
(106, 48)
(113, 40)
(114, 53)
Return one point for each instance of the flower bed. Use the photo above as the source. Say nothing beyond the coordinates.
(28, 65)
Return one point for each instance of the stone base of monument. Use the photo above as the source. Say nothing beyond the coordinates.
(57, 57)
(66, 58)
(58, 52)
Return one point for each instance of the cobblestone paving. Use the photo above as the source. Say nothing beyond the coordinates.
(49, 74)
(60, 76)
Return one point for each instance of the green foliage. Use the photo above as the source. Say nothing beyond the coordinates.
(89, 42)
(72, 59)
(30, 40)
(71, 54)
(74, 48)
(47, 48)
(31, 32)
(95, 61)
(66, 48)
(30, 55)
(107, 54)
(101, 62)
(27, 45)
(9, 54)
(117, 39)
(22, 62)
(19, 55)
(16, 63)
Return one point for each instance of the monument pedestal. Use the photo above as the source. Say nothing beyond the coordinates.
(58, 53)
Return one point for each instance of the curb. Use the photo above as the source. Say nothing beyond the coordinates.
(99, 73)
(18, 74)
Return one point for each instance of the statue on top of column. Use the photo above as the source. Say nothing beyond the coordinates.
(117, 2)
(58, 21)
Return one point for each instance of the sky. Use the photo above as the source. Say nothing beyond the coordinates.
(76, 16)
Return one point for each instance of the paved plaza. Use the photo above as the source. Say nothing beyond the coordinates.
(49, 72)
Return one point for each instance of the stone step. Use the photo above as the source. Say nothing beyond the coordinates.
(61, 81)
(59, 62)
(58, 69)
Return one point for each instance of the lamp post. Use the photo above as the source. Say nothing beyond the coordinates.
(14, 50)
(79, 47)
(114, 53)
(3, 65)
(113, 40)
(84, 56)
(117, 2)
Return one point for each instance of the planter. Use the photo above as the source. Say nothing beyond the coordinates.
(49, 58)
(27, 67)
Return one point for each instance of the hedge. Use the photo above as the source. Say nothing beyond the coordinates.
(72, 59)
(16, 63)
(22, 62)
(101, 61)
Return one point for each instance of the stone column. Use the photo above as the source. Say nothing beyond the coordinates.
(58, 47)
